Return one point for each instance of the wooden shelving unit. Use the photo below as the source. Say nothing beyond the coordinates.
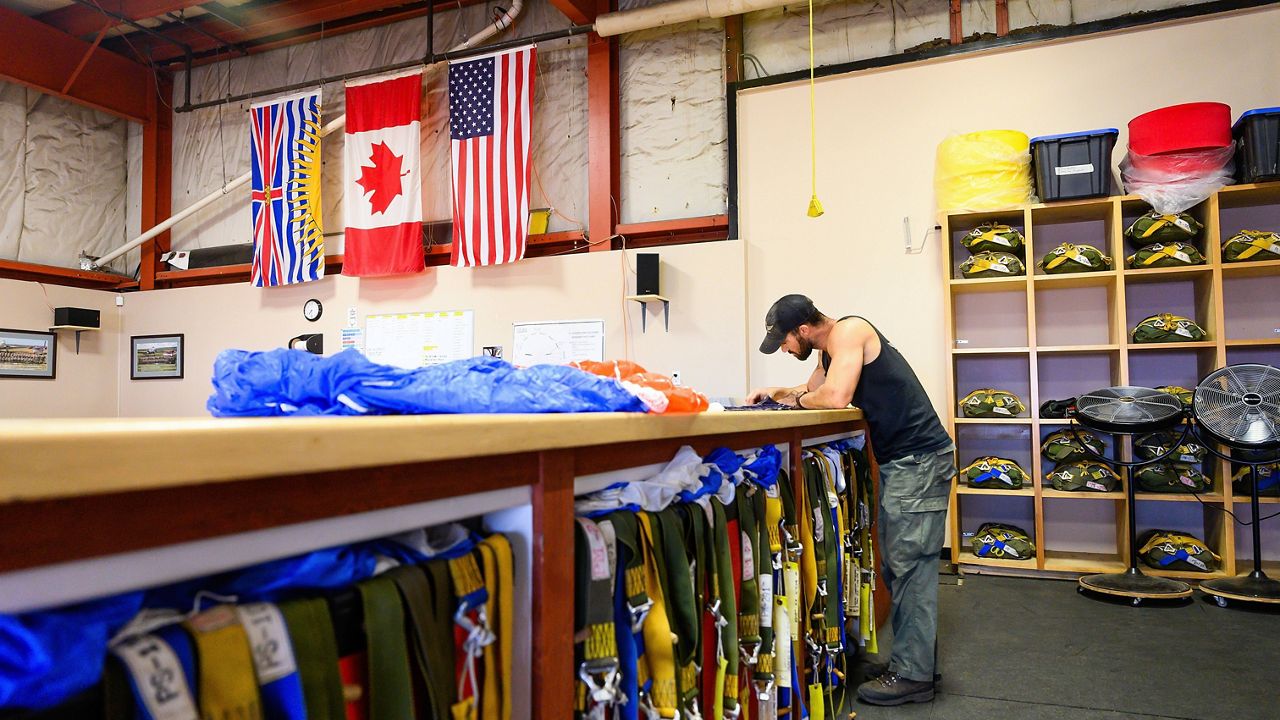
(1056, 336)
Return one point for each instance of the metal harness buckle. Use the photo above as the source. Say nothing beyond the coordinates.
(605, 691)
(638, 614)
(764, 689)
(749, 658)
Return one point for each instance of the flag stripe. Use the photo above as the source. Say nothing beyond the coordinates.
(490, 118)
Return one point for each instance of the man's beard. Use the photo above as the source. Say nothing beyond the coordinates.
(806, 349)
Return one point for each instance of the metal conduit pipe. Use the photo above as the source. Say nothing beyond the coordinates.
(676, 11)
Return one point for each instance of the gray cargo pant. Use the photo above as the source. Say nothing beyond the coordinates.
(914, 491)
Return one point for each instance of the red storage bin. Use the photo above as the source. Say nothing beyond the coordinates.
(1180, 128)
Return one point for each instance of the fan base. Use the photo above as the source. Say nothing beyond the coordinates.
(1255, 587)
(1137, 585)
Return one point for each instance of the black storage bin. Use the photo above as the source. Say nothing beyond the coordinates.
(1072, 166)
(1257, 136)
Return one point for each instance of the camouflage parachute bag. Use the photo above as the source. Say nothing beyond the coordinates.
(1172, 550)
(1083, 476)
(1268, 481)
(992, 264)
(1171, 477)
(1167, 328)
(1069, 258)
(991, 237)
(1063, 446)
(996, 540)
(1153, 445)
(1179, 392)
(994, 472)
(1158, 255)
(991, 403)
(1251, 246)
(1163, 228)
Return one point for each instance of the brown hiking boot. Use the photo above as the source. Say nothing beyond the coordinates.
(893, 689)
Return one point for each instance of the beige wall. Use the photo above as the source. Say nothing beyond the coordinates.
(877, 132)
(703, 281)
(87, 385)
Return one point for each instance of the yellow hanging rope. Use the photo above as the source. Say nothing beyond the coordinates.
(815, 205)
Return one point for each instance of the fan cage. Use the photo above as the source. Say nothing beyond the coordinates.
(1239, 405)
(1129, 409)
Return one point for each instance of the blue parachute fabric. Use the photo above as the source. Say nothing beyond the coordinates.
(765, 466)
(727, 460)
(295, 382)
(48, 656)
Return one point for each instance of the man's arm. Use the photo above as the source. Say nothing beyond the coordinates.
(846, 347)
(788, 394)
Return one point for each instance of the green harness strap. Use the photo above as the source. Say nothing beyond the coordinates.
(415, 591)
(677, 588)
(724, 607)
(441, 653)
(595, 644)
(390, 688)
(315, 648)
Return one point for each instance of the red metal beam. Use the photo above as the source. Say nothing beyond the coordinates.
(579, 12)
(604, 201)
(957, 23)
(1002, 18)
(41, 57)
(674, 232)
(14, 270)
(76, 19)
(157, 180)
(275, 21)
(85, 59)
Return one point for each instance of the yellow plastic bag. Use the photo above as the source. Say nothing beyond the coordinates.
(987, 170)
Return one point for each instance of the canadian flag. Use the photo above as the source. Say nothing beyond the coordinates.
(382, 176)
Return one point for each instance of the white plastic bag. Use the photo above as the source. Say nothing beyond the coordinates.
(1175, 182)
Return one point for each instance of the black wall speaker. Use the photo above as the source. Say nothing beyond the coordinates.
(647, 274)
(79, 317)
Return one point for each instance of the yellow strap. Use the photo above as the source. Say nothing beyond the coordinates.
(817, 706)
(815, 205)
(228, 687)
(1164, 220)
(506, 613)
(718, 702)
(773, 522)
(659, 641)
(464, 709)
(490, 681)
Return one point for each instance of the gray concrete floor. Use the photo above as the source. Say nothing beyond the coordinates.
(1025, 649)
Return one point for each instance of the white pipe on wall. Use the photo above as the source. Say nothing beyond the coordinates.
(494, 28)
(674, 12)
(195, 207)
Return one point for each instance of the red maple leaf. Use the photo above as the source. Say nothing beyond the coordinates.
(381, 181)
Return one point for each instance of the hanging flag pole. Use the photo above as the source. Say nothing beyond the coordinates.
(815, 205)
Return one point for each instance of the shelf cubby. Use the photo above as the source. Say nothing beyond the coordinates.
(959, 225)
(1206, 522)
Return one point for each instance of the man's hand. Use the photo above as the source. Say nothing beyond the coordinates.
(784, 395)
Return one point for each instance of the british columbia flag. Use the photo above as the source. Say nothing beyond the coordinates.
(288, 240)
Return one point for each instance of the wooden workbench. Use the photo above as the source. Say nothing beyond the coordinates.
(76, 493)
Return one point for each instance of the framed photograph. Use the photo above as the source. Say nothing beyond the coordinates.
(28, 354)
(155, 356)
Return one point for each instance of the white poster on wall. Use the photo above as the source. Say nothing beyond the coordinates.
(557, 342)
(414, 340)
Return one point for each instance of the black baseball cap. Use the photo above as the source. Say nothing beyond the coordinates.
(787, 314)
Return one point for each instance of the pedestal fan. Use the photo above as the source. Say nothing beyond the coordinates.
(1131, 411)
(1239, 406)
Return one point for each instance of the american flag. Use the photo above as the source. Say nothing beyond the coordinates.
(490, 111)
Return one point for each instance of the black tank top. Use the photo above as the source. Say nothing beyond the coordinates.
(899, 414)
